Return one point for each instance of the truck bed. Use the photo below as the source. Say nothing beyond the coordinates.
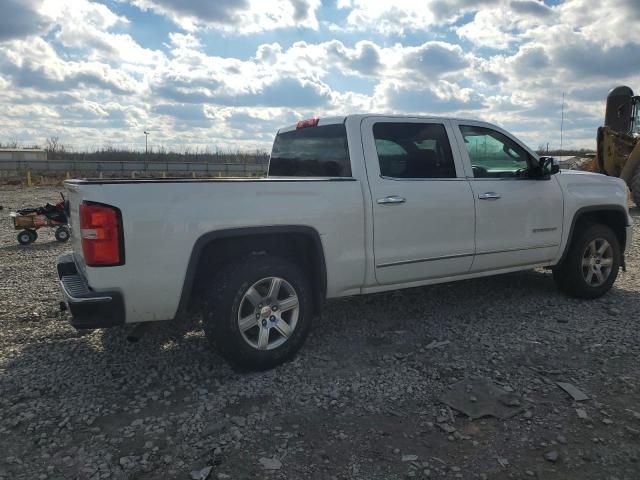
(163, 221)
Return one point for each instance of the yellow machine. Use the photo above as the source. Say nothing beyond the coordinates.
(618, 152)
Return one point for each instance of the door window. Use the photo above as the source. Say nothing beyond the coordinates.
(494, 155)
(413, 150)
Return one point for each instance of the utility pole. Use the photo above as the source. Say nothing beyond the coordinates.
(561, 123)
(146, 142)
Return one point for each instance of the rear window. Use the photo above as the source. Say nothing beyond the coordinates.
(311, 152)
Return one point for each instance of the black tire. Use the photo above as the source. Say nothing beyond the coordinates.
(570, 276)
(24, 237)
(34, 235)
(226, 295)
(62, 234)
(635, 187)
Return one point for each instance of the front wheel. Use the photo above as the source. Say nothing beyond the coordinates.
(592, 263)
(258, 311)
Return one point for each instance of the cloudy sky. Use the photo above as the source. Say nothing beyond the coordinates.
(227, 73)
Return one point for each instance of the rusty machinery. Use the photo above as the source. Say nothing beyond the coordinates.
(618, 151)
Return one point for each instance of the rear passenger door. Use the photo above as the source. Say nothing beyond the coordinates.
(423, 210)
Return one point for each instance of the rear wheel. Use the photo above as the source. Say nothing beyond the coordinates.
(258, 311)
(24, 237)
(592, 263)
(62, 234)
(635, 187)
(34, 235)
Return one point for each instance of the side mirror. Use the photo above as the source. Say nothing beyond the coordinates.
(547, 166)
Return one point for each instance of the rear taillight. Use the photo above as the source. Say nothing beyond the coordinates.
(101, 233)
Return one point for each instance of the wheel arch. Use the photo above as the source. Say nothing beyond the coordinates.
(214, 249)
(613, 216)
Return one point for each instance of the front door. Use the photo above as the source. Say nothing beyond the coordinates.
(518, 219)
(423, 207)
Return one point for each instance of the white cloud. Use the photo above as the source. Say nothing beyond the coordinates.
(85, 25)
(97, 15)
(184, 41)
(400, 16)
(508, 23)
(20, 18)
(433, 59)
(35, 64)
(439, 98)
(610, 22)
(488, 29)
(237, 16)
(363, 59)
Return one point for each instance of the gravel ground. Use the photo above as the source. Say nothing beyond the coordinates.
(360, 401)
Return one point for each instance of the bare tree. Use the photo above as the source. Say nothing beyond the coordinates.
(13, 143)
(54, 149)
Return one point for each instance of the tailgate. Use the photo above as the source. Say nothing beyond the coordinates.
(74, 199)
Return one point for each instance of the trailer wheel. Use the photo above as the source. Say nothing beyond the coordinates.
(62, 234)
(34, 235)
(24, 237)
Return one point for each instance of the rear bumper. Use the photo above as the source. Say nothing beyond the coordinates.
(89, 309)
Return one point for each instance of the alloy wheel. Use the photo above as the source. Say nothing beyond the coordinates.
(268, 313)
(597, 262)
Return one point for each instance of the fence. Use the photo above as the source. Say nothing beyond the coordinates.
(110, 168)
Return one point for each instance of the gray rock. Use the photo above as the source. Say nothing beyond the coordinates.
(551, 456)
(201, 474)
(240, 421)
(445, 427)
(270, 463)
(582, 413)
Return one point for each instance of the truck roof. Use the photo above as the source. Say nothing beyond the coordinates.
(341, 119)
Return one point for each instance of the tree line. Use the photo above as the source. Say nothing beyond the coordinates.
(56, 150)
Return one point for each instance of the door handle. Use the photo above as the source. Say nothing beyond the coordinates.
(391, 200)
(489, 196)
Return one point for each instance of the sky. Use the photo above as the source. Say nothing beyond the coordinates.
(226, 74)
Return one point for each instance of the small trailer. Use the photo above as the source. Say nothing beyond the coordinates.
(30, 220)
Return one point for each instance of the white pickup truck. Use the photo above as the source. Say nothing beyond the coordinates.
(352, 205)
